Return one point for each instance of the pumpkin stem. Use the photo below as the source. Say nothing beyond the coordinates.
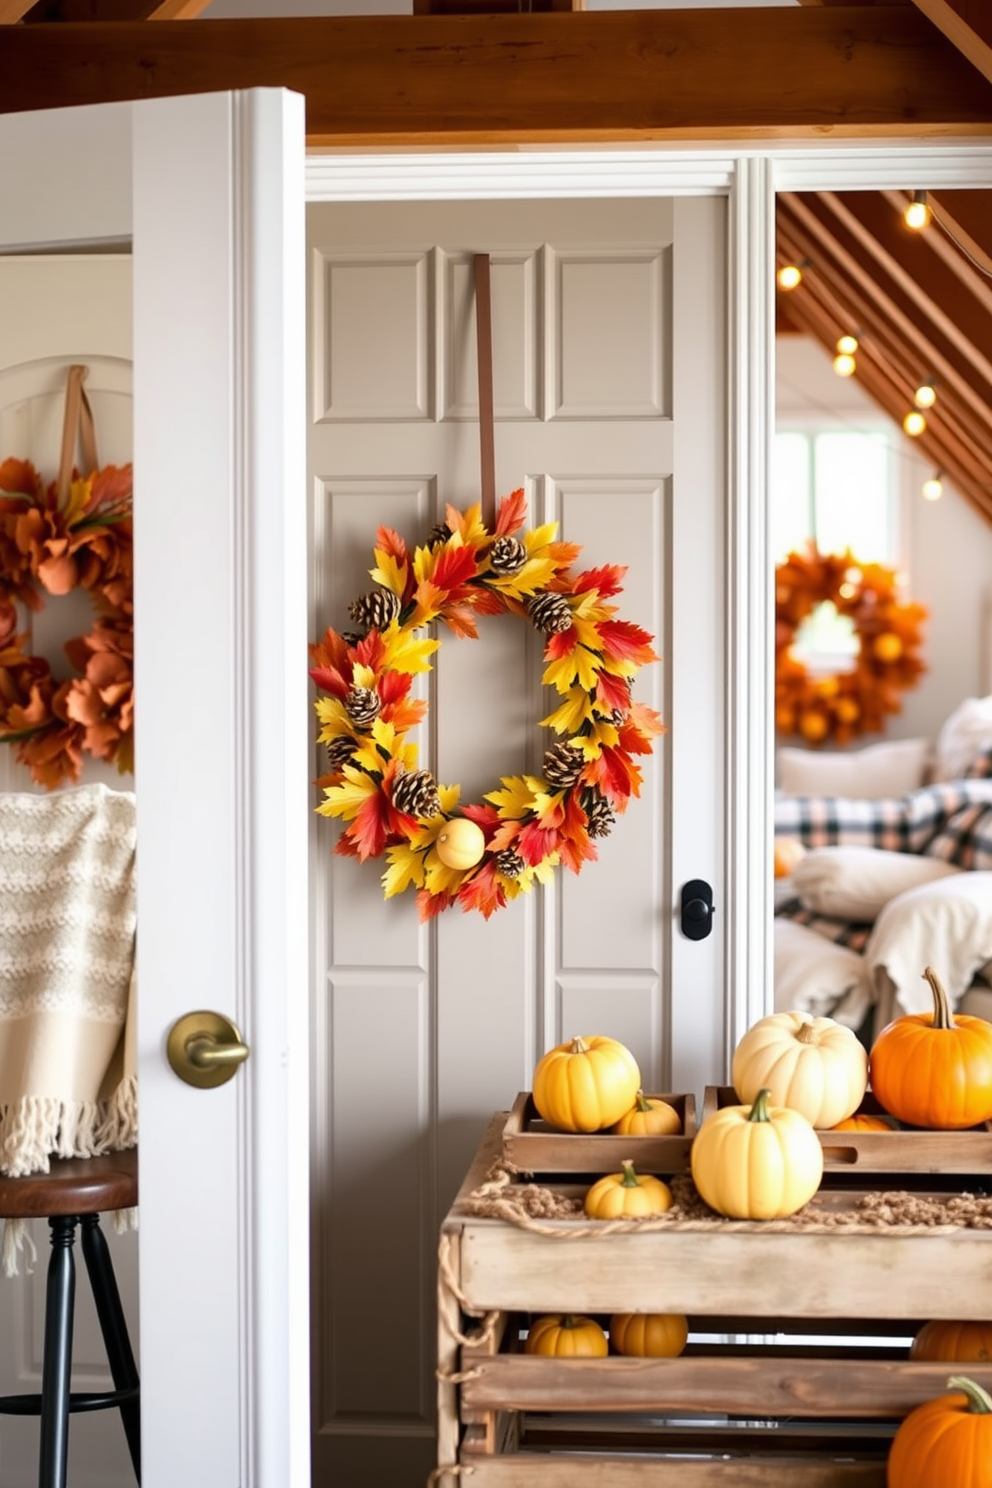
(759, 1111)
(941, 1007)
(807, 1034)
(979, 1401)
(630, 1178)
(578, 1046)
(642, 1103)
(568, 1320)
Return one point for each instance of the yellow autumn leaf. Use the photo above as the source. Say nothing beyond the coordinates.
(79, 495)
(573, 713)
(468, 524)
(536, 574)
(517, 797)
(334, 716)
(406, 867)
(363, 676)
(439, 878)
(539, 537)
(389, 572)
(346, 800)
(578, 666)
(602, 733)
(404, 653)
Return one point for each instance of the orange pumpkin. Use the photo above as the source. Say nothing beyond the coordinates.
(627, 1195)
(945, 1443)
(863, 1122)
(567, 1336)
(787, 853)
(934, 1070)
(648, 1117)
(950, 1342)
(649, 1335)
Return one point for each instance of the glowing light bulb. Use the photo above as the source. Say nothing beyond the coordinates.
(925, 395)
(918, 214)
(933, 489)
(847, 345)
(788, 276)
(914, 423)
(844, 364)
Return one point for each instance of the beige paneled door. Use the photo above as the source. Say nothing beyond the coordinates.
(609, 329)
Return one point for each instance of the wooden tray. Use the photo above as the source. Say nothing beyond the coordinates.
(530, 1144)
(907, 1149)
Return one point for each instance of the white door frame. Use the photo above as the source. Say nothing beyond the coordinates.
(750, 178)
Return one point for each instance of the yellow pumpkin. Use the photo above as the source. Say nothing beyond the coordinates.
(648, 1117)
(757, 1162)
(814, 1065)
(949, 1342)
(586, 1084)
(627, 1195)
(649, 1335)
(460, 843)
(567, 1336)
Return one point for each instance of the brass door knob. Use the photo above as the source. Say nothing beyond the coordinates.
(205, 1049)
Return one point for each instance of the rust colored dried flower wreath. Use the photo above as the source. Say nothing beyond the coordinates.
(53, 546)
(889, 631)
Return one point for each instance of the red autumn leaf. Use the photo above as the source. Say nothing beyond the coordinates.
(483, 892)
(616, 775)
(606, 580)
(455, 566)
(613, 692)
(576, 846)
(625, 642)
(490, 602)
(430, 905)
(392, 686)
(484, 816)
(512, 513)
(344, 847)
(461, 622)
(534, 843)
(640, 728)
(331, 651)
(561, 644)
(370, 651)
(328, 680)
(373, 825)
(111, 491)
(505, 835)
(390, 542)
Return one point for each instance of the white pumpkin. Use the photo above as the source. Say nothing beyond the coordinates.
(812, 1065)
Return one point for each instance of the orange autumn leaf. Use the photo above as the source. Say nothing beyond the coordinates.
(483, 892)
(512, 513)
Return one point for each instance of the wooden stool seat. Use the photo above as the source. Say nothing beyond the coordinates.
(75, 1193)
(75, 1185)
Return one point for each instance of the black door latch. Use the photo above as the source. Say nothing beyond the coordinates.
(696, 915)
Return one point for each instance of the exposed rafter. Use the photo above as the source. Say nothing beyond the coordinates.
(877, 70)
(968, 23)
(920, 309)
(13, 10)
(62, 11)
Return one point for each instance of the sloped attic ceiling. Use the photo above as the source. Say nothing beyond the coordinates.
(920, 304)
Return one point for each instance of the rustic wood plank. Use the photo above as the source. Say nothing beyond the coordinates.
(968, 23)
(534, 1147)
(753, 1387)
(12, 10)
(880, 71)
(524, 1469)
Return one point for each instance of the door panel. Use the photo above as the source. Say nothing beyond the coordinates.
(421, 1032)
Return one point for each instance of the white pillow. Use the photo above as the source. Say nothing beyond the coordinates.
(946, 925)
(966, 734)
(856, 883)
(814, 975)
(881, 770)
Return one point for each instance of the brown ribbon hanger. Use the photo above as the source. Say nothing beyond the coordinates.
(487, 431)
(77, 422)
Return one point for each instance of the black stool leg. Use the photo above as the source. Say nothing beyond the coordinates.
(57, 1362)
(96, 1254)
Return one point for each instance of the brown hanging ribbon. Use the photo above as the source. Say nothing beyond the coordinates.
(487, 431)
(78, 421)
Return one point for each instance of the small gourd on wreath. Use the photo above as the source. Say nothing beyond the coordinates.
(74, 533)
(838, 706)
(480, 855)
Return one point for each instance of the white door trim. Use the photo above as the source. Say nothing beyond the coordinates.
(750, 177)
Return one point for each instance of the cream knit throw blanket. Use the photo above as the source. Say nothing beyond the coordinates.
(67, 928)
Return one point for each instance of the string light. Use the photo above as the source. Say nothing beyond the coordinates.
(914, 423)
(844, 363)
(933, 488)
(918, 214)
(789, 276)
(925, 395)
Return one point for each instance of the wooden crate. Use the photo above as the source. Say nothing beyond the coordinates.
(535, 1147)
(906, 1151)
(780, 1397)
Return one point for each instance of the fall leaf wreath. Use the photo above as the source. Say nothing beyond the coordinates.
(890, 635)
(480, 855)
(50, 547)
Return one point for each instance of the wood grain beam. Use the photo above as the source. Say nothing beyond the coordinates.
(968, 24)
(12, 11)
(62, 12)
(879, 71)
(966, 218)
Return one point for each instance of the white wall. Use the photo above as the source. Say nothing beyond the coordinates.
(945, 547)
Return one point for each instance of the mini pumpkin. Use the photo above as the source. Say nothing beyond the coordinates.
(648, 1117)
(935, 1069)
(814, 1065)
(649, 1335)
(567, 1336)
(945, 1443)
(863, 1121)
(953, 1342)
(627, 1195)
(788, 852)
(586, 1084)
(757, 1162)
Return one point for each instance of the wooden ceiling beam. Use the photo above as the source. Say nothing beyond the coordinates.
(880, 71)
(968, 24)
(67, 12)
(11, 11)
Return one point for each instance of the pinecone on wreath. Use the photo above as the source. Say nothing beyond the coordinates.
(362, 705)
(509, 863)
(415, 794)
(550, 612)
(563, 764)
(339, 751)
(601, 815)
(507, 556)
(374, 611)
(438, 535)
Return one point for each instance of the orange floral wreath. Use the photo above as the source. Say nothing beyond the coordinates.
(841, 705)
(48, 546)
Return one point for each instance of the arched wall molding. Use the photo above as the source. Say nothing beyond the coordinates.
(750, 178)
